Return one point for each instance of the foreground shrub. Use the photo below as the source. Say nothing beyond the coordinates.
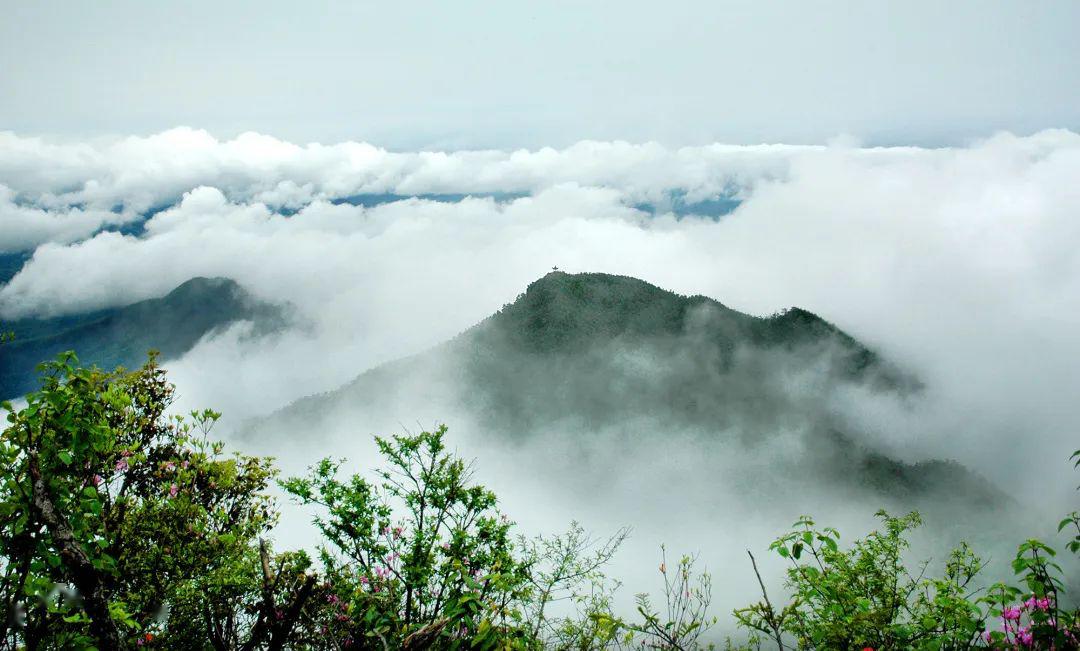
(113, 513)
(422, 554)
(866, 597)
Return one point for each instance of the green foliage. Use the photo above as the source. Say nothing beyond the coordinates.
(1072, 521)
(864, 596)
(1038, 621)
(423, 552)
(253, 600)
(112, 510)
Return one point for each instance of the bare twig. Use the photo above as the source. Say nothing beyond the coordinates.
(771, 618)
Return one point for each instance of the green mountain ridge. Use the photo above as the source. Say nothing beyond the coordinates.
(562, 311)
(602, 355)
(122, 336)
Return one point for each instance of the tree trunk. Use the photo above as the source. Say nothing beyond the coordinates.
(86, 577)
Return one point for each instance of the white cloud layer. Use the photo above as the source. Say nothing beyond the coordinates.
(146, 172)
(28, 226)
(961, 263)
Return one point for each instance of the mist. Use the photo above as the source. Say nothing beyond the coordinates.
(959, 265)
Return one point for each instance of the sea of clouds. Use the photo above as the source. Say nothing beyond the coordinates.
(961, 264)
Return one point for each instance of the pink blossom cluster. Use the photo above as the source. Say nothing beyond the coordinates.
(343, 608)
(1023, 634)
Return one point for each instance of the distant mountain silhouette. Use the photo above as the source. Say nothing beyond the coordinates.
(596, 353)
(122, 336)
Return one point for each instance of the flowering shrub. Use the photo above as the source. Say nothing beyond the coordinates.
(1027, 621)
(1037, 621)
(111, 511)
(865, 595)
(124, 528)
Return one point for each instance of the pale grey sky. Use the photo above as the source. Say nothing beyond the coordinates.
(469, 74)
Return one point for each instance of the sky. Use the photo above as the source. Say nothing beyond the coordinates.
(469, 75)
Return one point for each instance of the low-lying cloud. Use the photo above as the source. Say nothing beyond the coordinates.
(961, 264)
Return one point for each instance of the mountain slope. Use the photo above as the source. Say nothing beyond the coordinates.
(122, 336)
(591, 357)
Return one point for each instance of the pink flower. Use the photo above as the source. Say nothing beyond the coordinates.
(397, 532)
(1026, 637)
(96, 480)
(173, 490)
(987, 637)
(1011, 613)
(184, 464)
(169, 466)
(121, 465)
(1043, 604)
